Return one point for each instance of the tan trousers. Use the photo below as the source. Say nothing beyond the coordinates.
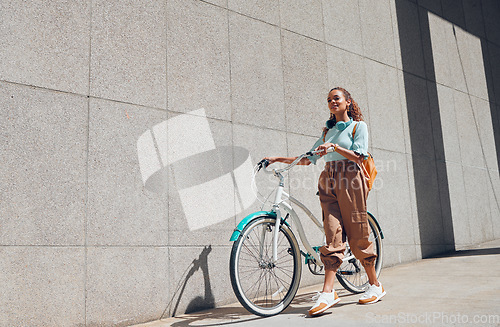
(342, 193)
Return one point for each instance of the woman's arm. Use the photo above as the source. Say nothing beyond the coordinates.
(288, 160)
(348, 154)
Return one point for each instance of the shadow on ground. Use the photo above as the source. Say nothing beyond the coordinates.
(237, 314)
(464, 253)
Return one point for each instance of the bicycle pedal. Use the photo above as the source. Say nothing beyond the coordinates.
(343, 272)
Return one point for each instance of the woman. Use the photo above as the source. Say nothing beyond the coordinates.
(342, 192)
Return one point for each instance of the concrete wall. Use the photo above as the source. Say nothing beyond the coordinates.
(128, 130)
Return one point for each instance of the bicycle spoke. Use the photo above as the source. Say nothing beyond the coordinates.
(258, 285)
(281, 279)
(281, 287)
(286, 273)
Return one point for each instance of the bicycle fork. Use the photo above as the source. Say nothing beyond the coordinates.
(277, 200)
(276, 230)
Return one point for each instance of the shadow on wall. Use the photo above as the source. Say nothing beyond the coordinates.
(198, 303)
(424, 120)
(425, 123)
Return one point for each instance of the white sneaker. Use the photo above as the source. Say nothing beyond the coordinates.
(324, 301)
(372, 294)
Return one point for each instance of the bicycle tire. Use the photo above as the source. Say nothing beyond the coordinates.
(351, 274)
(264, 288)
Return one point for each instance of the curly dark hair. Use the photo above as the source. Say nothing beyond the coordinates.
(353, 110)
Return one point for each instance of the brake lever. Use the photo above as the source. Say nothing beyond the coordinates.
(263, 164)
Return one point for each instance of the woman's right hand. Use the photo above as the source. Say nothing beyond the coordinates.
(324, 147)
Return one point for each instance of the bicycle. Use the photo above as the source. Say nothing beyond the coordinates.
(265, 263)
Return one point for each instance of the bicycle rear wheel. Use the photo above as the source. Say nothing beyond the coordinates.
(351, 273)
(262, 286)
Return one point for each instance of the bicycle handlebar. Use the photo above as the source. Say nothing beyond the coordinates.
(264, 163)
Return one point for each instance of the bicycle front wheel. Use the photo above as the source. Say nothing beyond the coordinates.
(262, 286)
(351, 273)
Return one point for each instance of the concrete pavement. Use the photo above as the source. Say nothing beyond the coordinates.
(456, 289)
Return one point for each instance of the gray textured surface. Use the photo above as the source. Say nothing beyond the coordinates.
(450, 128)
(393, 215)
(121, 211)
(494, 195)
(199, 279)
(404, 111)
(128, 61)
(377, 31)
(411, 37)
(117, 194)
(217, 168)
(305, 83)
(418, 109)
(264, 10)
(256, 73)
(46, 44)
(43, 155)
(386, 124)
(476, 189)
(42, 286)
(346, 69)
(415, 296)
(431, 218)
(469, 48)
(444, 50)
(400, 253)
(125, 284)
(198, 58)
(459, 205)
(221, 3)
(303, 17)
(270, 143)
(484, 128)
(470, 144)
(343, 30)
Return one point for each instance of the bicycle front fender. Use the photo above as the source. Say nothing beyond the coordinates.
(237, 231)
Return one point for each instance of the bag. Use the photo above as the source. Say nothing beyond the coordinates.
(368, 165)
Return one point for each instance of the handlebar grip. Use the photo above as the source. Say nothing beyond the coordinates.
(311, 153)
(263, 163)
